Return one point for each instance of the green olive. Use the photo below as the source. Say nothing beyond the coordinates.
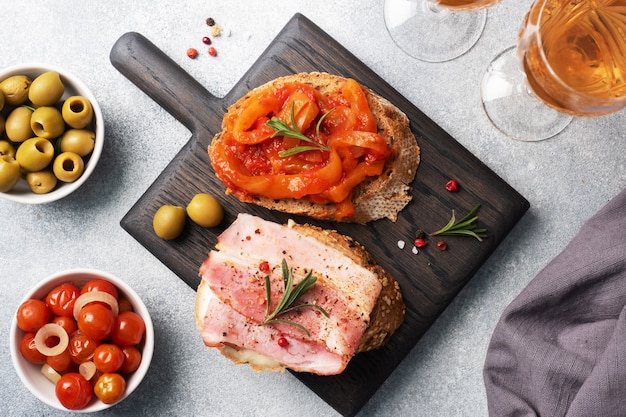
(35, 154)
(6, 148)
(1, 100)
(77, 112)
(205, 210)
(9, 173)
(17, 125)
(46, 89)
(47, 122)
(68, 166)
(41, 182)
(169, 221)
(15, 89)
(80, 141)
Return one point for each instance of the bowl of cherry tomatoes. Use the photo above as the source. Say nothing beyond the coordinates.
(81, 340)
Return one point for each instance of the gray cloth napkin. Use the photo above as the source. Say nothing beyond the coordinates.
(559, 348)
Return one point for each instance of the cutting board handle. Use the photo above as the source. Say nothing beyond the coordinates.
(157, 75)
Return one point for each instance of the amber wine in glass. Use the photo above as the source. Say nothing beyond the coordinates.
(436, 30)
(571, 56)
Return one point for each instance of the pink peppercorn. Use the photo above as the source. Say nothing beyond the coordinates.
(452, 186)
(420, 243)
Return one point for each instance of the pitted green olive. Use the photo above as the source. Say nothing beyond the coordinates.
(6, 148)
(47, 122)
(205, 210)
(77, 112)
(15, 89)
(9, 173)
(169, 221)
(41, 182)
(17, 125)
(35, 154)
(46, 89)
(80, 141)
(68, 166)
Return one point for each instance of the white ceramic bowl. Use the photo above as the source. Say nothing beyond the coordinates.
(21, 193)
(31, 375)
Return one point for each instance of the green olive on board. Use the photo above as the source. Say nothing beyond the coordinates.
(9, 173)
(205, 210)
(17, 124)
(46, 89)
(15, 89)
(77, 112)
(68, 166)
(47, 122)
(169, 221)
(80, 141)
(41, 182)
(35, 154)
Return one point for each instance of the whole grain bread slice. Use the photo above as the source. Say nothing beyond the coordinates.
(374, 198)
(385, 318)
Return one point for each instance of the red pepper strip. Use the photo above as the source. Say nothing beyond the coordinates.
(353, 92)
(275, 186)
(248, 124)
(373, 142)
(304, 111)
(343, 190)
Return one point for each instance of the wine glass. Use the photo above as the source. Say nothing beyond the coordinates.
(570, 61)
(436, 30)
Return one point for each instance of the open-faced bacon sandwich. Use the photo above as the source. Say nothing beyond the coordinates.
(319, 145)
(294, 296)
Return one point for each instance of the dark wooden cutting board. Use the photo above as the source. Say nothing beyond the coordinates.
(429, 280)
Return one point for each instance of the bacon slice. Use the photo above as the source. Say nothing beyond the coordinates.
(231, 301)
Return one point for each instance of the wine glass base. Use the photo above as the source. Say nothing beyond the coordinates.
(512, 107)
(431, 33)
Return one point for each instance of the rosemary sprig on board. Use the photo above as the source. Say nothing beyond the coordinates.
(464, 227)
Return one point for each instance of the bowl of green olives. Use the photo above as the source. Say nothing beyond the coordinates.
(51, 133)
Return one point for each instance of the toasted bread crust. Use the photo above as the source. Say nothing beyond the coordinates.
(376, 197)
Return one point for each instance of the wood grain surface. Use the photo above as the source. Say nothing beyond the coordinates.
(429, 280)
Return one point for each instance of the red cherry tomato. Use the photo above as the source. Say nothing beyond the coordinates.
(68, 323)
(73, 391)
(110, 388)
(108, 358)
(100, 285)
(124, 305)
(132, 359)
(81, 347)
(60, 362)
(61, 299)
(96, 321)
(29, 351)
(32, 314)
(129, 329)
